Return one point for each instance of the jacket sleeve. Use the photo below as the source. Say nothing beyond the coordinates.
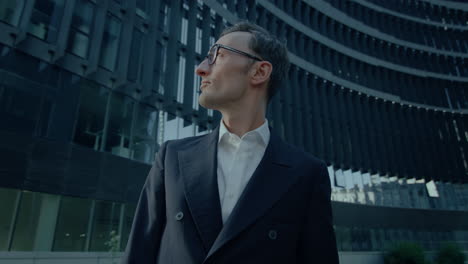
(318, 242)
(148, 223)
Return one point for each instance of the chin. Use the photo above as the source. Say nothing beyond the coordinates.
(208, 102)
(204, 102)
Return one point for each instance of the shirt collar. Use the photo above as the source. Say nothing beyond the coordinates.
(263, 131)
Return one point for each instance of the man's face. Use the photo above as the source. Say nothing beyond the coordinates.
(225, 82)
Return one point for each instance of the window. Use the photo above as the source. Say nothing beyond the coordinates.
(196, 88)
(90, 123)
(184, 31)
(81, 27)
(10, 11)
(35, 222)
(119, 126)
(105, 225)
(181, 79)
(135, 66)
(171, 126)
(166, 11)
(8, 198)
(46, 19)
(110, 43)
(145, 132)
(162, 68)
(19, 108)
(129, 212)
(186, 128)
(72, 225)
(198, 40)
(142, 8)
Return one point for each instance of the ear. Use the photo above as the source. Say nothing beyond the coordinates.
(261, 73)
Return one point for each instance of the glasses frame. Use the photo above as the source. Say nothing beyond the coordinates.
(216, 48)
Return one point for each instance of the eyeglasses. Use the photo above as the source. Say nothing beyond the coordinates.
(213, 53)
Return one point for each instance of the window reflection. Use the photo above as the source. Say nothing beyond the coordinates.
(72, 224)
(90, 123)
(162, 66)
(110, 43)
(18, 109)
(170, 126)
(106, 220)
(78, 40)
(28, 232)
(46, 18)
(134, 64)
(8, 198)
(145, 133)
(120, 123)
(142, 8)
(127, 224)
(10, 11)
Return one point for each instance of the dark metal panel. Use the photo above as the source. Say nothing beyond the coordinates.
(380, 143)
(173, 47)
(355, 128)
(97, 37)
(241, 9)
(205, 46)
(251, 12)
(317, 126)
(14, 159)
(307, 117)
(367, 134)
(343, 127)
(64, 30)
(358, 215)
(287, 109)
(149, 49)
(190, 59)
(125, 45)
(390, 137)
(296, 109)
(25, 19)
(336, 125)
(327, 128)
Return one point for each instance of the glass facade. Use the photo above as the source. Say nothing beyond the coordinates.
(42, 222)
(10, 11)
(110, 43)
(81, 28)
(46, 19)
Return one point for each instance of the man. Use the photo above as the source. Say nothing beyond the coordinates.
(239, 194)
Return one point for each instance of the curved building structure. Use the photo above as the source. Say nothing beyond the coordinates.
(90, 89)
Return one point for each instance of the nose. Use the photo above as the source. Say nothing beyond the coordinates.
(203, 69)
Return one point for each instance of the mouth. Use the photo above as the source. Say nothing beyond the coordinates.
(204, 83)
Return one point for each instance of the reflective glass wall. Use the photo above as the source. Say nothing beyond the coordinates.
(35, 221)
(42, 222)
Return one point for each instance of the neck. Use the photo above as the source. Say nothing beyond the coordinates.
(242, 122)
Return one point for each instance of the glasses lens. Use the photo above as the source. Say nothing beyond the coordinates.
(212, 54)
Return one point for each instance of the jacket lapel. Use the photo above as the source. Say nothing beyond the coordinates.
(270, 181)
(198, 169)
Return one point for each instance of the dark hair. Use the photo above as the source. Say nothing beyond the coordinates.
(269, 48)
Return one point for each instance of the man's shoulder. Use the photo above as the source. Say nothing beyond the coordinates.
(300, 156)
(184, 143)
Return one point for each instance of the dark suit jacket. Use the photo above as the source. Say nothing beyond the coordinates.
(283, 216)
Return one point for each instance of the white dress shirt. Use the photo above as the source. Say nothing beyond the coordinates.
(237, 160)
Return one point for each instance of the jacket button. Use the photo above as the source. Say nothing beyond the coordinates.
(272, 234)
(179, 216)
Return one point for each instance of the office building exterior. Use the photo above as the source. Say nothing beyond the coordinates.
(89, 89)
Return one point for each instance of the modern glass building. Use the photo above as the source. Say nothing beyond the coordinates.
(89, 89)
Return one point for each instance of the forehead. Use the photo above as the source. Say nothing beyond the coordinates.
(237, 40)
